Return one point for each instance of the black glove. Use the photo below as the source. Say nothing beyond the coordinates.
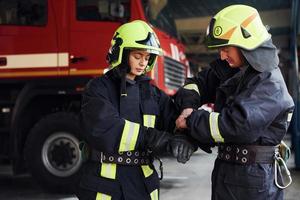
(182, 147)
(185, 98)
(157, 141)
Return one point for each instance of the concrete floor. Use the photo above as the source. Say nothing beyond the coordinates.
(190, 181)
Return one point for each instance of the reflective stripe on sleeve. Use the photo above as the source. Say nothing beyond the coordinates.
(214, 127)
(192, 87)
(108, 170)
(154, 195)
(101, 196)
(149, 120)
(147, 170)
(129, 136)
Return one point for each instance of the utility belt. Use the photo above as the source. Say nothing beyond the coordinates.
(250, 154)
(124, 158)
(247, 154)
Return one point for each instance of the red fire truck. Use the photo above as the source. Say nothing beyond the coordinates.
(49, 49)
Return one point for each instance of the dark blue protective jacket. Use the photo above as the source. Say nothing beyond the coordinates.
(252, 106)
(113, 124)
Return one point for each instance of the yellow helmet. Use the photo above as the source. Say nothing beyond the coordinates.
(134, 35)
(237, 25)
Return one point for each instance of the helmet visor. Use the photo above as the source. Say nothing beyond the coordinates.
(151, 44)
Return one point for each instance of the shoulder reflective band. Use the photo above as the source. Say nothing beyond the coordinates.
(214, 127)
(192, 87)
(108, 170)
(129, 136)
(101, 196)
(154, 195)
(289, 117)
(147, 170)
(149, 121)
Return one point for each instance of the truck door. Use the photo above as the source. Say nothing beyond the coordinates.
(28, 39)
(92, 24)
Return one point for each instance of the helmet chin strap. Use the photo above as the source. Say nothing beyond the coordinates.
(123, 70)
(123, 85)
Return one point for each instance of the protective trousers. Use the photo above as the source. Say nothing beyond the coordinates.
(232, 181)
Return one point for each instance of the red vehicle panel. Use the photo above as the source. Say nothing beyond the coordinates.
(49, 49)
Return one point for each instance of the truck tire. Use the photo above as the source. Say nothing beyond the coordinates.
(52, 153)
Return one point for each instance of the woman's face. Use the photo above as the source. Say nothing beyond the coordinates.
(138, 61)
(232, 55)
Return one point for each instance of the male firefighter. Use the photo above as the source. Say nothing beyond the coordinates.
(252, 107)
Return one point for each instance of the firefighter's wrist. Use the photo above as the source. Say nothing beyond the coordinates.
(188, 121)
(186, 112)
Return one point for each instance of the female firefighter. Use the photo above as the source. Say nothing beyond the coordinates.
(126, 121)
(252, 107)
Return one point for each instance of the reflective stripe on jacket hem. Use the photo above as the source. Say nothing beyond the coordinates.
(149, 120)
(108, 170)
(101, 196)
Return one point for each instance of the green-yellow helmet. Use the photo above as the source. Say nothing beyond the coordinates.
(134, 35)
(237, 25)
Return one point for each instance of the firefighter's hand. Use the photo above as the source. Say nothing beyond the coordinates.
(186, 98)
(187, 112)
(182, 147)
(181, 120)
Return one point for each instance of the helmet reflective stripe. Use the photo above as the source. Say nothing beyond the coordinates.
(214, 127)
(237, 25)
(244, 24)
(134, 35)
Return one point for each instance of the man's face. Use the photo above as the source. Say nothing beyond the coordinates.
(232, 55)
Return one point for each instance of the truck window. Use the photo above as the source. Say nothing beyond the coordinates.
(103, 10)
(159, 15)
(23, 12)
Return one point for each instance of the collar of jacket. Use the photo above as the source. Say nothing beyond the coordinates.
(143, 81)
(113, 74)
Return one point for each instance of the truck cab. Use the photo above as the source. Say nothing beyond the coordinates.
(49, 50)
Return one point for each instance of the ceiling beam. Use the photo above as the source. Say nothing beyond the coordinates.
(274, 19)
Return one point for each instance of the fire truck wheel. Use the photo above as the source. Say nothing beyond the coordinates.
(52, 153)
